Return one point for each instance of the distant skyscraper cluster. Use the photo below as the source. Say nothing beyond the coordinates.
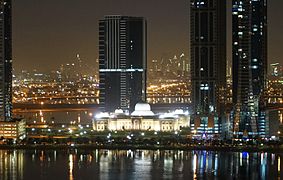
(170, 66)
(122, 62)
(5, 60)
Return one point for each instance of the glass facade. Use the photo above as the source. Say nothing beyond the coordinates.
(249, 64)
(5, 60)
(122, 62)
(208, 63)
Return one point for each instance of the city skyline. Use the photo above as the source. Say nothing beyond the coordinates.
(78, 33)
(116, 117)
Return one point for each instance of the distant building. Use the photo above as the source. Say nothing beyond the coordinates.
(13, 129)
(208, 65)
(141, 119)
(122, 62)
(274, 90)
(249, 64)
(276, 70)
(5, 60)
(274, 123)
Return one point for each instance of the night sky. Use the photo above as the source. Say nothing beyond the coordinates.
(47, 33)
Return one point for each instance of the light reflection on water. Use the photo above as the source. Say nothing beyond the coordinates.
(140, 164)
(71, 167)
(11, 165)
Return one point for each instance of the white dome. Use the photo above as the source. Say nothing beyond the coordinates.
(179, 111)
(119, 111)
(142, 109)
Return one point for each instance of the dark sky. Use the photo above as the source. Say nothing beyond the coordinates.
(47, 33)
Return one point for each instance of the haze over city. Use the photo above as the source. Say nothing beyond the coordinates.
(49, 33)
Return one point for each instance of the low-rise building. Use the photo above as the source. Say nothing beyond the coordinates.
(15, 129)
(274, 123)
(141, 119)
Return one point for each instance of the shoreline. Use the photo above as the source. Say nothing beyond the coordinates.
(143, 147)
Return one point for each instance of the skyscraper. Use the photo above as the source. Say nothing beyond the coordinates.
(122, 62)
(249, 64)
(5, 60)
(208, 64)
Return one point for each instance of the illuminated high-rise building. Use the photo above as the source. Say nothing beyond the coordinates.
(208, 65)
(249, 65)
(122, 62)
(5, 60)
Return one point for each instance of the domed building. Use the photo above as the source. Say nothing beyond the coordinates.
(142, 118)
(142, 109)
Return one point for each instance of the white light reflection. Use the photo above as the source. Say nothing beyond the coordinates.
(216, 164)
(105, 161)
(195, 166)
(241, 159)
(142, 165)
(207, 162)
(168, 165)
(71, 167)
(279, 162)
(263, 160)
(130, 154)
(55, 155)
(96, 156)
(248, 156)
(272, 159)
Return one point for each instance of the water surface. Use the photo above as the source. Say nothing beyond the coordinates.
(141, 164)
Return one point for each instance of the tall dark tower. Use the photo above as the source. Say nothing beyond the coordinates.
(5, 60)
(249, 64)
(208, 64)
(122, 62)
